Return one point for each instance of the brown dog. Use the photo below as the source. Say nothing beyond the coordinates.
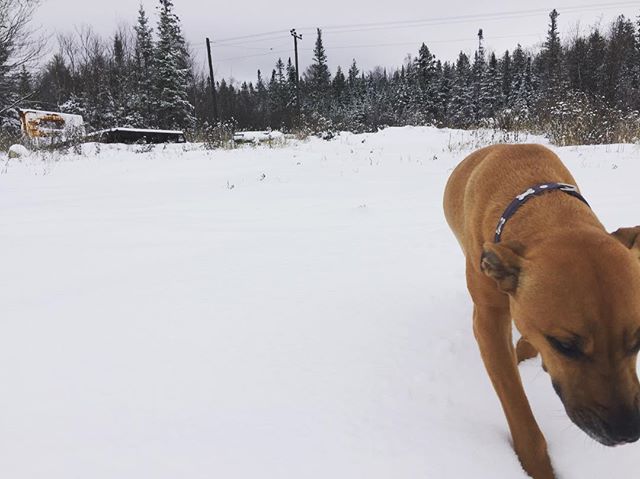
(572, 289)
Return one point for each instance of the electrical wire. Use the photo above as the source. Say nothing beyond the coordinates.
(480, 16)
(359, 27)
(222, 60)
(427, 42)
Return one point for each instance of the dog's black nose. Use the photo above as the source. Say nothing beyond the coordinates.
(623, 425)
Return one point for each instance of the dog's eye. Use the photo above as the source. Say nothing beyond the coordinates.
(568, 348)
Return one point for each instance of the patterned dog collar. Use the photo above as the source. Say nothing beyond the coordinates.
(537, 190)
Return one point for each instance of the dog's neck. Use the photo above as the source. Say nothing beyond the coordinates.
(532, 193)
(547, 215)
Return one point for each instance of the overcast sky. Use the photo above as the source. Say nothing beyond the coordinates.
(402, 25)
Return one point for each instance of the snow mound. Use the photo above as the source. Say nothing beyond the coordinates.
(257, 136)
(17, 151)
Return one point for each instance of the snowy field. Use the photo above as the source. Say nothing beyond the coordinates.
(291, 312)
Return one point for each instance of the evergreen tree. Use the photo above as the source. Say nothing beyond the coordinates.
(445, 93)
(119, 85)
(424, 76)
(25, 82)
(518, 77)
(226, 100)
(292, 87)
(144, 100)
(279, 99)
(550, 58)
(506, 74)
(318, 76)
(593, 72)
(620, 63)
(353, 75)
(171, 73)
(262, 102)
(317, 84)
(461, 108)
(491, 99)
(339, 84)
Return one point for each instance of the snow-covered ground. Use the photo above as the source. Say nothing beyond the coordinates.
(292, 312)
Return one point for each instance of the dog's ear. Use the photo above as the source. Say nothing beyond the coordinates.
(503, 262)
(630, 237)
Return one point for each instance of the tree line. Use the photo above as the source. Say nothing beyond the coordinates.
(584, 89)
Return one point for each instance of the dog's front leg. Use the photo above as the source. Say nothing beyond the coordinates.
(492, 328)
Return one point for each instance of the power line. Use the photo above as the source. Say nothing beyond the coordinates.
(241, 47)
(380, 45)
(261, 36)
(468, 19)
(358, 27)
(251, 56)
(427, 42)
(251, 42)
(481, 16)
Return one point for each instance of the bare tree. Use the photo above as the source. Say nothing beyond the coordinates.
(18, 47)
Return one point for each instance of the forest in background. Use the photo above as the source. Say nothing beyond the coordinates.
(584, 89)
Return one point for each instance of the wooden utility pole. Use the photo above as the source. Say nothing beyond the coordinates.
(213, 84)
(481, 42)
(296, 37)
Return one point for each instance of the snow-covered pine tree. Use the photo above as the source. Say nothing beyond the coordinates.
(292, 92)
(279, 96)
(144, 102)
(318, 76)
(594, 74)
(120, 81)
(246, 106)
(262, 102)
(518, 76)
(317, 81)
(524, 95)
(424, 77)
(97, 94)
(171, 72)
(226, 100)
(353, 75)
(490, 99)
(549, 62)
(506, 74)
(339, 84)
(621, 64)
(404, 94)
(461, 104)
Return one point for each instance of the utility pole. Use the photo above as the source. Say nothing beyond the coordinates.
(296, 37)
(213, 84)
(481, 42)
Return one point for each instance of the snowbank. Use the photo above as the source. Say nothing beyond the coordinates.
(17, 151)
(257, 136)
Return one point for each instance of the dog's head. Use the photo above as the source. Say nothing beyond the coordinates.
(576, 299)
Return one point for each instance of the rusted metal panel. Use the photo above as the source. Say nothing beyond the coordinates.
(55, 127)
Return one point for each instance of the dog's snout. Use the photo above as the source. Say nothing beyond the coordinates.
(623, 425)
(609, 426)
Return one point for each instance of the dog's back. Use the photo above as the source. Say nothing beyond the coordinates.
(486, 181)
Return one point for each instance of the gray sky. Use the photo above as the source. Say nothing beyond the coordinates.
(446, 27)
